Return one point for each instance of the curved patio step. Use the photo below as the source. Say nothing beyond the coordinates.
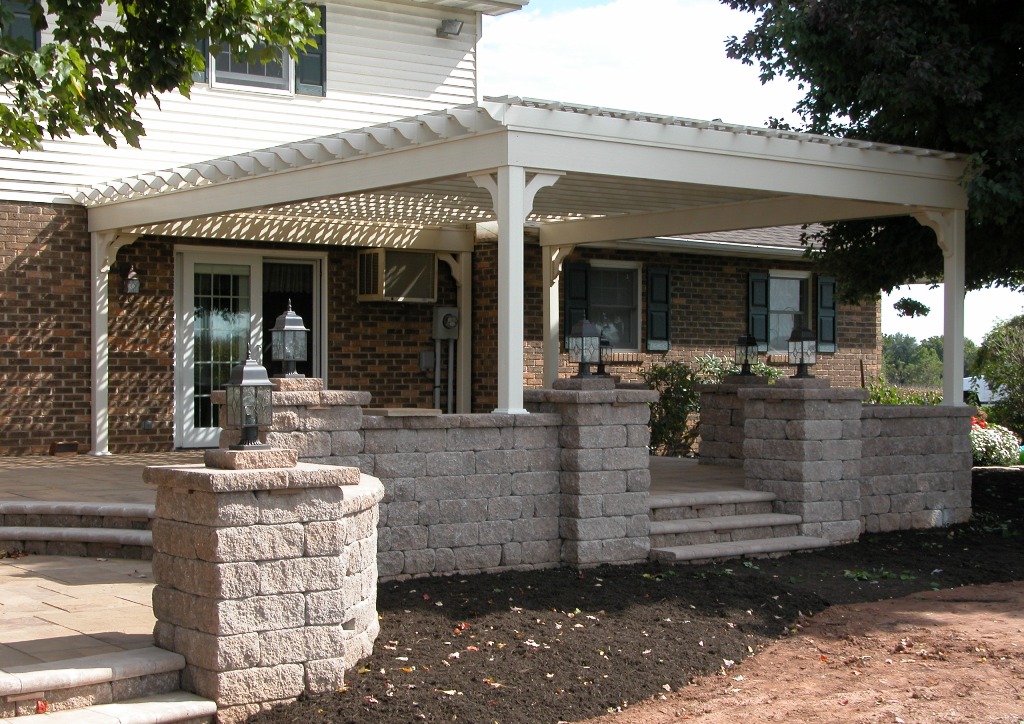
(737, 549)
(92, 542)
(140, 685)
(176, 707)
(75, 514)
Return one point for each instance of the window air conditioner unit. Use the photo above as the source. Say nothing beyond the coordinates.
(397, 275)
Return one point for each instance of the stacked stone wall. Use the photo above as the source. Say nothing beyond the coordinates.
(916, 466)
(465, 493)
(803, 443)
(266, 578)
(722, 418)
(487, 492)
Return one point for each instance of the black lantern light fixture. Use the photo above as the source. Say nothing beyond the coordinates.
(132, 283)
(585, 346)
(249, 405)
(803, 349)
(746, 353)
(604, 354)
(288, 341)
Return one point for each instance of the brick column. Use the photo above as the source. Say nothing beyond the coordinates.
(803, 443)
(605, 476)
(722, 418)
(266, 575)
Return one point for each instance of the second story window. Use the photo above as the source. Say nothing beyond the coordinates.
(307, 75)
(228, 70)
(18, 24)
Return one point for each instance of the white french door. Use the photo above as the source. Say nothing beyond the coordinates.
(219, 310)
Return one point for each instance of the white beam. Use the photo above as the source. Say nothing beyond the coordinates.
(408, 166)
(307, 230)
(783, 211)
(950, 232)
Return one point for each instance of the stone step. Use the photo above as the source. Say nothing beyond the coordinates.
(73, 684)
(56, 514)
(693, 531)
(91, 542)
(176, 707)
(737, 549)
(709, 504)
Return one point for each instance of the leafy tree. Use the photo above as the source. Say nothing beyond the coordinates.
(91, 76)
(905, 362)
(1001, 361)
(970, 352)
(942, 74)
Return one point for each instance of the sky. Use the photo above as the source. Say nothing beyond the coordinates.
(668, 56)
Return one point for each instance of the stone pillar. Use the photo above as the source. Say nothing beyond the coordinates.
(266, 575)
(605, 476)
(803, 443)
(722, 418)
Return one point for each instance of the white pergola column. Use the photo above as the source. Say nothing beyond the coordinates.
(512, 197)
(553, 257)
(104, 248)
(950, 231)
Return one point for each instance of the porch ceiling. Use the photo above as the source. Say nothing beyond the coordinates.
(622, 176)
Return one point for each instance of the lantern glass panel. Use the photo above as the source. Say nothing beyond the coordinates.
(233, 407)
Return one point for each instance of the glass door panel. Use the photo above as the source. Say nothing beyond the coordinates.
(222, 311)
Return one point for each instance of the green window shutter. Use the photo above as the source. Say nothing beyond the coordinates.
(203, 76)
(659, 309)
(827, 314)
(20, 27)
(757, 308)
(311, 64)
(576, 278)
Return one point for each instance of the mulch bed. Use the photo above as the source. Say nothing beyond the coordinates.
(566, 645)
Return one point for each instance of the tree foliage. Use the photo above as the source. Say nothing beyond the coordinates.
(908, 363)
(92, 75)
(943, 74)
(1001, 361)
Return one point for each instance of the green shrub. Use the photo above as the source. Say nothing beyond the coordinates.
(674, 428)
(881, 392)
(994, 445)
(712, 369)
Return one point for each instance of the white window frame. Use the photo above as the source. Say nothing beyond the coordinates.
(806, 311)
(288, 81)
(638, 308)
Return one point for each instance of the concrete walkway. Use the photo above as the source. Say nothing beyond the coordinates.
(57, 607)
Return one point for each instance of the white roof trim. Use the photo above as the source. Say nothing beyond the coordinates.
(487, 7)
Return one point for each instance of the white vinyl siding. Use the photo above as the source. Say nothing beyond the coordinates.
(384, 62)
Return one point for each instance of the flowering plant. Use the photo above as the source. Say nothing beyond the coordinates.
(993, 444)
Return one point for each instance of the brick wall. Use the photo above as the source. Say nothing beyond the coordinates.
(709, 311)
(375, 346)
(141, 333)
(44, 340)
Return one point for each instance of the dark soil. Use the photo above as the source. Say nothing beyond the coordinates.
(565, 645)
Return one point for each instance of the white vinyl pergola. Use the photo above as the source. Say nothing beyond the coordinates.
(583, 175)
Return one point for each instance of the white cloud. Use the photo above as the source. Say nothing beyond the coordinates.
(660, 56)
